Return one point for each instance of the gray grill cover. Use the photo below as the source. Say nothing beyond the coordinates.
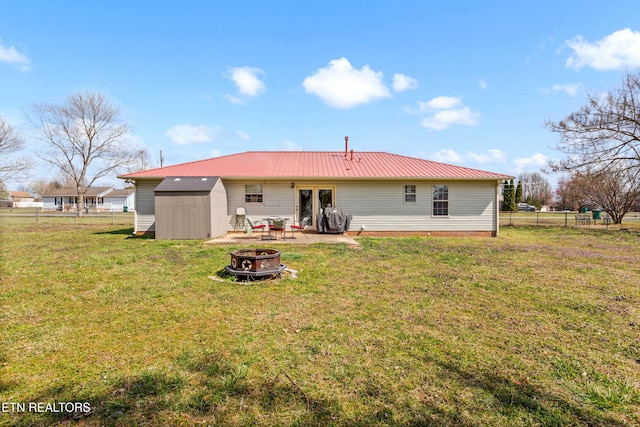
(333, 220)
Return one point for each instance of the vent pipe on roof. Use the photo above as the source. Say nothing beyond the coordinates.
(351, 156)
(346, 146)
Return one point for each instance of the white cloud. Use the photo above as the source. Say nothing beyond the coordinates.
(340, 85)
(12, 56)
(243, 135)
(190, 134)
(537, 161)
(444, 119)
(446, 156)
(288, 145)
(491, 156)
(443, 102)
(451, 156)
(571, 89)
(617, 51)
(235, 100)
(483, 84)
(247, 81)
(402, 83)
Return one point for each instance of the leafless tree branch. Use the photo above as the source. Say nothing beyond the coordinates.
(84, 138)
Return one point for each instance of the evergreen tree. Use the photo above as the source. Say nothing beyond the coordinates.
(507, 196)
(518, 198)
(513, 206)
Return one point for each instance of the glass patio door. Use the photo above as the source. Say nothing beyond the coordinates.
(311, 200)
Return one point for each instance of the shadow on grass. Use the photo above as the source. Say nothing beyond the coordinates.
(206, 388)
(514, 400)
(122, 232)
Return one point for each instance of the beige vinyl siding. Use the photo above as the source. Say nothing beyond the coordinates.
(380, 206)
(218, 209)
(145, 218)
(277, 200)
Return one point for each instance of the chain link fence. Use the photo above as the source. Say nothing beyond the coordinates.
(37, 216)
(565, 219)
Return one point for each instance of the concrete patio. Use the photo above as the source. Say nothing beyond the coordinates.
(301, 238)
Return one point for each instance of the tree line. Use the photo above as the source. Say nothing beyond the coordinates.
(601, 144)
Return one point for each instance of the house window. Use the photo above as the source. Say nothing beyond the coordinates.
(253, 193)
(409, 193)
(440, 200)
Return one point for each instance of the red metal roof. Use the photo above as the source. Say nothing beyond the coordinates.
(317, 164)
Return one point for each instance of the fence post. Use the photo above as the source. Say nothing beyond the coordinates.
(537, 218)
(112, 217)
(566, 216)
(36, 215)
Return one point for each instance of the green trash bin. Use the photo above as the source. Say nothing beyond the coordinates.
(125, 209)
(596, 213)
(583, 210)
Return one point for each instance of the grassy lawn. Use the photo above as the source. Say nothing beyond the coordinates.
(540, 326)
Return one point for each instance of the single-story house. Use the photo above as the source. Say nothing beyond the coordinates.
(119, 200)
(98, 198)
(386, 194)
(22, 199)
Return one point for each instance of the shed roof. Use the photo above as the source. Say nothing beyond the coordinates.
(316, 164)
(186, 183)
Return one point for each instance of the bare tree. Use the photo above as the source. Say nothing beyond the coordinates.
(536, 189)
(85, 139)
(570, 193)
(606, 130)
(615, 190)
(11, 143)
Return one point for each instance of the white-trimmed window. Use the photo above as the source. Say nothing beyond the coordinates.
(253, 193)
(440, 200)
(410, 193)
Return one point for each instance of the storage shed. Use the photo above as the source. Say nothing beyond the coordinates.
(190, 208)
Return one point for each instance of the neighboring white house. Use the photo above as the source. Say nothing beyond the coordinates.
(95, 198)
(120, 200)
(386, 194)
(22, 199)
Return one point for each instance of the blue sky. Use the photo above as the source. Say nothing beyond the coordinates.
(463, 82)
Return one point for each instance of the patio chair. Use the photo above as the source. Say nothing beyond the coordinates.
(276, 225)
(255, 226)
(300, 226)
(241, 216)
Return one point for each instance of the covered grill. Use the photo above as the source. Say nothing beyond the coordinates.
(333, 220)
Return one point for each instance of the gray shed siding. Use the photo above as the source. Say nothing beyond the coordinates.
(183, 216)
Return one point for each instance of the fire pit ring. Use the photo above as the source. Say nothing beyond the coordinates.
(255, 264)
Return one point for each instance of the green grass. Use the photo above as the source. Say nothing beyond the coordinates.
(540, 326)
